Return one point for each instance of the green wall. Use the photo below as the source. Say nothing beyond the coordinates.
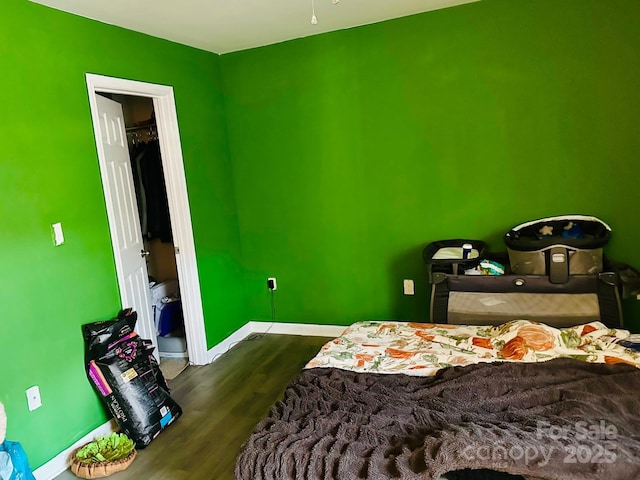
(353, 150)
(328, 162)
(49, 172)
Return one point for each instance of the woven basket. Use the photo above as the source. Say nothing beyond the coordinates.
(102, 469)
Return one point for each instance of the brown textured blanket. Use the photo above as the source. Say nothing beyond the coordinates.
(559, 420)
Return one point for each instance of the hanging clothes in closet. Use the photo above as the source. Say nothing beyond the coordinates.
(151, 191)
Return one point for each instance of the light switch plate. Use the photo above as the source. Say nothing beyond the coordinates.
(58, 235)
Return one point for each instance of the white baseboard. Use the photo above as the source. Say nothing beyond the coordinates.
(275, 328)
(314, 330)
(227, 343)
(62, 461)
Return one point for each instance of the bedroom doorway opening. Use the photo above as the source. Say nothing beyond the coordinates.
(138, 142)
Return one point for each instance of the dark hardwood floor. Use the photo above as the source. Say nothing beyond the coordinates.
(222, 402)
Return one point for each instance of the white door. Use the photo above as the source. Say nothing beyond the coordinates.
(126, 237)
(173, 164)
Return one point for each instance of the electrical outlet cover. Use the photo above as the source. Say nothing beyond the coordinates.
(408, 287)
(33, 398)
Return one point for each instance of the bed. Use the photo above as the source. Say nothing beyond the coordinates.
(398, 400)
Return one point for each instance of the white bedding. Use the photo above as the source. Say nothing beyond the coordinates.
(422, 349)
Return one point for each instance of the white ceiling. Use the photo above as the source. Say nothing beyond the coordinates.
(223, 26)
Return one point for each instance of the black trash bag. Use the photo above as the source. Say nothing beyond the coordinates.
(123, 371)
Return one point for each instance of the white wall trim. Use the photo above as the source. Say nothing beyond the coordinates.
(62, 461)
(224, 346)
(313, 330)
(275, 328)
(173, 164)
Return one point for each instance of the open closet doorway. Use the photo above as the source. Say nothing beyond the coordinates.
(155, 222)
(143, 178)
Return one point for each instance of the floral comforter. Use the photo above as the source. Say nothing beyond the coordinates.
(421, 349)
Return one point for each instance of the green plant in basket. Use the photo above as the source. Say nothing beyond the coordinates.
(109, 448)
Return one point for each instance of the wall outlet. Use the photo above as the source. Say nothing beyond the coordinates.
(33, 398)
(272, 284)
(408, 287)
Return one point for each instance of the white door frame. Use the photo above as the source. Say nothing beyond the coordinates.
(173, 165)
